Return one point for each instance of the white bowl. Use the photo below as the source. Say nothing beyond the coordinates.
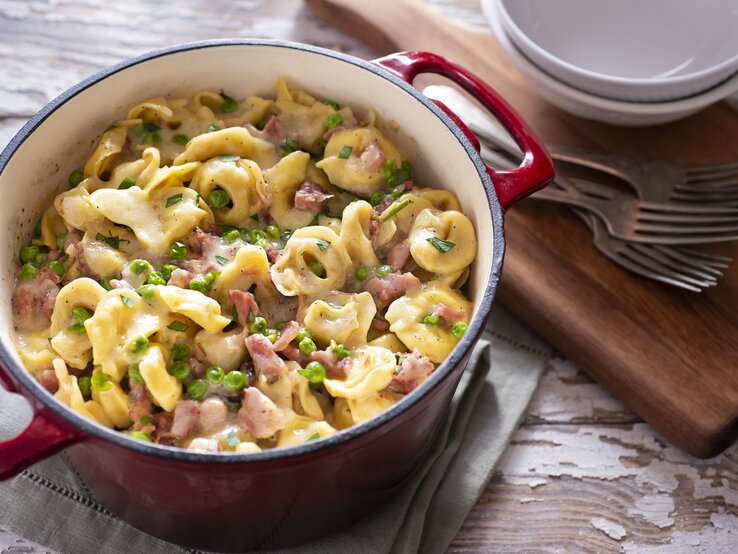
(590, 106)
(634, 50)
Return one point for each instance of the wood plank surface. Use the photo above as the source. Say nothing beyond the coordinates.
(670, 355)
(582, 474)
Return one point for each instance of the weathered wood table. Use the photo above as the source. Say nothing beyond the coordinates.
(582, 473)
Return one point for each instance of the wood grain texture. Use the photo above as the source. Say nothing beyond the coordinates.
(670, 355)
(575, 477)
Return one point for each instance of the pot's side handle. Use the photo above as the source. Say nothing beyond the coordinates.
(536, 169)
(44, 437)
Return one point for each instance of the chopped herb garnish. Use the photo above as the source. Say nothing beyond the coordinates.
(152, 138)
(172, 200)
(127, 183)
(441, 245)
(150, 127)
(141, 344)
(85, 386)
(75, 178)
(394, 209)
(332, 103)
(229, 158)
(180, 139)
(111, 240)
(395, 176)
(322, 244)
(229, 105)
(432, 319)
(334, 120)
(178, 326)
(376, 198)
(141, 435)
(213, 127)
(134, 374)
(287, 146)
(231, 440)
(345, 152)
(127, 300)
(313, 437)
(262, 123)
(339, 351)
(100, 381)
(221, 260)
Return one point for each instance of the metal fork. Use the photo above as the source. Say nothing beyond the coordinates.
(678, 266)
(657, 181)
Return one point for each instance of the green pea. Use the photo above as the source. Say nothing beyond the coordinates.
(256, 235)
(258, 325)
(235, 380)
(361, 273)
(105, 282)
(339, 351)
(307, 346)
(139, 266)
(273, 231)
(60, 241)
(29, 252)
(180, 140)
(141, 344)
(272, 335)
(80, 315)
(85, 386)
(303, 334)
(100, 381)
(197, 389)
(214, 374)
(317, 268)
(218, 199)
(39, 259)
(231, 235)
(383, 270)
(141, 435)
(313, 372)
(166, 271)
(181, 352)
(178, 251)
(458, 329)
(28, 272)
(146, 291)
(180, 370)
(75, 178)
(152, 138)
(57, 267)
(432, 319)
(334, 120)
(134, 374)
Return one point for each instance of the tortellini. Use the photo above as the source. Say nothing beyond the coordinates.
(442, 242)
(296, 272)
(406, 316)
(344, 318)
(371, 371)
(284, 179)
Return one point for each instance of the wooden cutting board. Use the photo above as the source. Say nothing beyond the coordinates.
(671, 356)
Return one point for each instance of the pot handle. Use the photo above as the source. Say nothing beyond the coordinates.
(44, 437)
(536, 169)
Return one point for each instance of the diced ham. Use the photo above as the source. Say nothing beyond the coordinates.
(399, 254)
(84, 268)
(286, 336)
(163, 423)
(48, 380)
(244, 303)
(259, 415)
(120, 284)
(414, 369)
(33, 301)
(213, 412)
(311, 197)
(449, 314)
(71, 240)
(333, 130)
(382, 206)
(186, 416)
(201, 444)
(181, 278)
(265, 359)
(380, 324)
(408, 185)
(292, 353)
(197, 368)
(374, 227)
(272, 254)
(391, 287)
(335, 369)
(53, 255)
(372, 157)
(139, 403)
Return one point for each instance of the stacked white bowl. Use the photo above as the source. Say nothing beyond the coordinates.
(626, 62)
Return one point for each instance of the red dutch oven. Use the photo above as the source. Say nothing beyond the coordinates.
(237, 502)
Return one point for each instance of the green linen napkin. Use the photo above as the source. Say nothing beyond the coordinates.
(47, 504)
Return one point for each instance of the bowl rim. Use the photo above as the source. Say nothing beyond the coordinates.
(93, 431)
(524, 64)
(605, 78)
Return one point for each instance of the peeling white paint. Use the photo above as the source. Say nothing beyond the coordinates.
(610, 528)
(655, 509)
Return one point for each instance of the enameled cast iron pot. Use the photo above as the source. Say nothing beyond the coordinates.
(236, 502)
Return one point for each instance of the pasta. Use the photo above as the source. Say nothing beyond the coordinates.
(235, 275)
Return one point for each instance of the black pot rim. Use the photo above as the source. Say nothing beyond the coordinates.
(93, 430)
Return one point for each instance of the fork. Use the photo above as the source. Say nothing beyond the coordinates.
(678, 266)
(656, 181)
